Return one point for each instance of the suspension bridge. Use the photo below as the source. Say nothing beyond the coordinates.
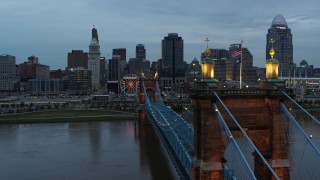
(236, 134)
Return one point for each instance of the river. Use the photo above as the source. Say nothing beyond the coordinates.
(75, 151)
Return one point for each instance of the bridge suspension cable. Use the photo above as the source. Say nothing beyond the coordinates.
(247, 138)
(301, 108)
(291, 118)
(244, 171)
(305, 154)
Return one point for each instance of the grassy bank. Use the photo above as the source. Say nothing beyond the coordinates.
(65, 116)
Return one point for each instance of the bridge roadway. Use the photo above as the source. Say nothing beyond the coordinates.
(224, 134)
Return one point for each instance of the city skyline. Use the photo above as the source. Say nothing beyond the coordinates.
(51, 30)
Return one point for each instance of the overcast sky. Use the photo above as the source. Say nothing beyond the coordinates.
(51, 29)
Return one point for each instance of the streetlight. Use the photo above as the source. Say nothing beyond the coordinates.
(194, 73)
(290, 75)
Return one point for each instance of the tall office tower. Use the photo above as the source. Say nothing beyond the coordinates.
(280, 38)
(122, 54)
(246, 59)
(172, 68)
(249, 75)
(103, 72)
(140, 52)
(77, 58)
(113, 69)
(220, 69)
(94, 60)
(8, 76)
(95, 34)
(216, 54)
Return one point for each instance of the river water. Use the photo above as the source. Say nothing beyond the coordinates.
(96, 150)
(75, 151)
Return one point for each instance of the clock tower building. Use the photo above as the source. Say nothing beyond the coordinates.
(94, 60)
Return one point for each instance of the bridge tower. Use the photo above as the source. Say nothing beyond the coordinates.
(142, 98)
(256, 110)
(150, 86)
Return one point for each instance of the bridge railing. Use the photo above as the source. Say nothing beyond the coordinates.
(237, 92)
(247, 143)
(175, 130)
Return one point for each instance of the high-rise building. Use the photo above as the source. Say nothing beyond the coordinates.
(8, 77)
(280, 38)
(114, 68)
(249, 75)
(122, 54)
(172, 68)
(79, 80)
(140, 51)
(77, 58)
(216, 54)
(95, 34)
(137, 66)
(103, 72)
(245, 59)
(94, 60)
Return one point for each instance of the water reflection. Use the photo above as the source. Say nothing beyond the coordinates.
(95, 150)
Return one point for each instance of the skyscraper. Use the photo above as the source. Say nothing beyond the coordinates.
(280, 38)
(140, 52)
(122, 54)
(216, 54)
(94, 60)
(172, 68)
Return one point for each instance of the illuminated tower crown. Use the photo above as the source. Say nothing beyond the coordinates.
(272, 65)
(207, 66)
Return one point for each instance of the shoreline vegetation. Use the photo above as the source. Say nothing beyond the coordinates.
(57, 116)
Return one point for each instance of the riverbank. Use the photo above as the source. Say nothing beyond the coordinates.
(53, 116)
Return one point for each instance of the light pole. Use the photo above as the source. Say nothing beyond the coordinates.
(290, 75)
(194, 73)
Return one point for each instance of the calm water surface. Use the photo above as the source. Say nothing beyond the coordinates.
(73, 151)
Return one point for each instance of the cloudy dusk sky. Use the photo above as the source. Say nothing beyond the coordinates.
(51, 29)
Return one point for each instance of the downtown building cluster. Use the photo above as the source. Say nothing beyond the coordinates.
(90, 72)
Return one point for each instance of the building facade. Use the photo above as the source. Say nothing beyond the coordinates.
(79, 80)
(280, 38)
(42, 71)
(46, 86)
(216, 54)
(8, 77)
(304, 70)
(77, 58)
(121, 54)
(94, 60)
(140, 52)
(172, 67)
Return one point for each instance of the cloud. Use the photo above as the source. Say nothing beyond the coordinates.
(62, 25)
